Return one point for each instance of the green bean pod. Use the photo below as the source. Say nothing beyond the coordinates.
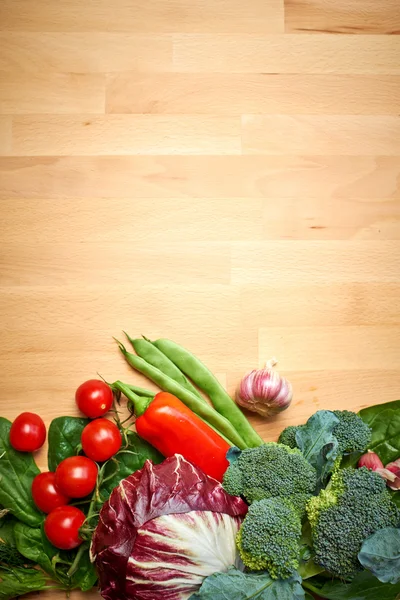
(208, 383)
(151, 354)
(202, 409)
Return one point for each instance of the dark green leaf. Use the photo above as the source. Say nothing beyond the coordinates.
(85, 576)
(30, 544)
(365, 586)
(384, 420)
(317, 442)
(7, 529)
(64, 439)
(17, 471)
(127, 461)
(19, 581)
(395, 497)
(242, 586)
(34, 545)
(380, 554)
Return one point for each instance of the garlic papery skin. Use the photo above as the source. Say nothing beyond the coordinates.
(394, 468)
(264, 391)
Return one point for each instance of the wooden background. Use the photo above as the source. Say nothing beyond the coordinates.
(220, 172)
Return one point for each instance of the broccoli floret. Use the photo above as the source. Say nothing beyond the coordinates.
(351, 432)
(269, 471)
(288, 436)
(355, 505)
(269, 538)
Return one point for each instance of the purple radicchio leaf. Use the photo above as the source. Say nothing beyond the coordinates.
(163, 530)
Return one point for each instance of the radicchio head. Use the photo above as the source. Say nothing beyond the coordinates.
(163, 530)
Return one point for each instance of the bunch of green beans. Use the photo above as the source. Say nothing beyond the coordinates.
(167, 363)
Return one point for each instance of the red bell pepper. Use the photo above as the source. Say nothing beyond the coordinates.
(171, 427)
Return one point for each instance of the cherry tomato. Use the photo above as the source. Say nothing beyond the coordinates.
(62, 527)
(94, 398)
(28, 432)
(76, 476)
(101, 439)
(45, 494)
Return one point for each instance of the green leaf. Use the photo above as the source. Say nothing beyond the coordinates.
(17, 471)
(30, 543)
(127, 461)
(64, 439)
(317, 442)
(364, 586)
(380, 554)
(85, 577)
(242, 586)
(34, 545)
(384, 420)
(18, 581)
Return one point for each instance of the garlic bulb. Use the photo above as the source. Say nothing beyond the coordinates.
(264, 391)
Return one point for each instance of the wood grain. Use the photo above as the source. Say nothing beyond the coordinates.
(125, 135)
(288, 53)
(341, 16)
(237, 93)
(225, 174)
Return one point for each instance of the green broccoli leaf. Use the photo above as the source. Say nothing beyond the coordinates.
(380, 554)
(364, 586)
(17, 471)
(318, 444)
(243, 586)
(64, 439)
(384, 420)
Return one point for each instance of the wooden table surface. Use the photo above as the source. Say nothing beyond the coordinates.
(222, 173)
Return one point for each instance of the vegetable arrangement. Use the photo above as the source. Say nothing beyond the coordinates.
(194, 504)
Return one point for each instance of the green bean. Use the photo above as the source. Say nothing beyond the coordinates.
(146, 350)
(203, 410)
(208, 383)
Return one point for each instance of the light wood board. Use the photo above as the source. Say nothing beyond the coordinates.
(225, 174)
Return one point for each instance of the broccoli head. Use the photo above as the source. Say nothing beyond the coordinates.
(269, 471)
(351, 432)
(288, 436)
(355, 505)
(269, 538)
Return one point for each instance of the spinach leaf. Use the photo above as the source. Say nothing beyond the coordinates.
(29, 543)
(318, 444)
(127, 461)
(384, 420)
(364, 586)
(34, 545)
(64, 439)
(243, 586)
(85, 577)
(380, 554)
(17, 471)
(18, 581)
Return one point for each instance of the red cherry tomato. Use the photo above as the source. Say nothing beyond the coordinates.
(101, 439)
(76, 476)
(62, 527)
(94, 398)
(28, 432)
(45, 494)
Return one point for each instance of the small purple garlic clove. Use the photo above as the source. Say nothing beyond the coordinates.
(370, 460)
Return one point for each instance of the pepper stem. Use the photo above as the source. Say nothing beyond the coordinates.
(138, 403)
